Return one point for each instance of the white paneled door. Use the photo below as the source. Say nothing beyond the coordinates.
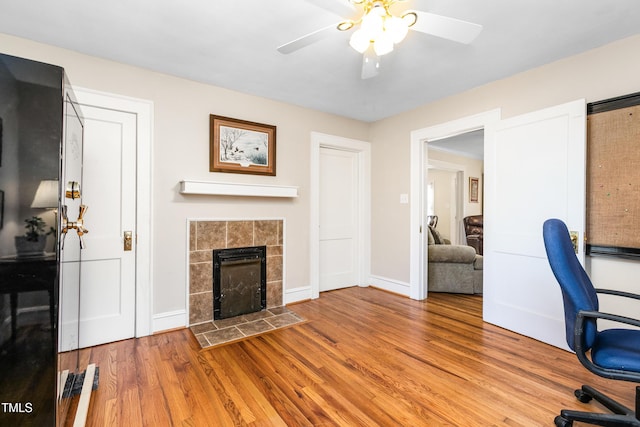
(534, 170)
(339, 204)
(108, 271)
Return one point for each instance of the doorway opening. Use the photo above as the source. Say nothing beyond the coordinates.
(452, 163)
(420, 140)
(453, 183)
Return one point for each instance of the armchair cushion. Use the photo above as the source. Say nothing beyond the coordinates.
(452, 254)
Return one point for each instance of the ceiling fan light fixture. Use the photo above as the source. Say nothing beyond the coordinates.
(370, 63)
(378, 8)
(345, 25)
(379, 30)
(396, 28)
(383, 44)
(410, 18)
(372, 25)
(359, 41)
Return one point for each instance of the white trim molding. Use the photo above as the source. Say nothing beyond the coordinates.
(302, 293)
(391, 285)
(417, 264)
(363, 149)
(170, 320)
(143, 110)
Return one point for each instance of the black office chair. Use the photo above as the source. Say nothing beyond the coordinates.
(614, 353)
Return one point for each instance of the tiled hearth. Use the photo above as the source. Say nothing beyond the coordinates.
(205, 236)
(224, 331)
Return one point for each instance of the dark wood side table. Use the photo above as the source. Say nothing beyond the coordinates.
(30, 274)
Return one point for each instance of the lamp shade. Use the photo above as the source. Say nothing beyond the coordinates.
(46, 195)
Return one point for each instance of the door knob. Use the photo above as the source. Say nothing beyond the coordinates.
(78, 225)
(574, 240)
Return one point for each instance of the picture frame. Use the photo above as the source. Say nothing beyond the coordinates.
(474, 189)
(240, 146)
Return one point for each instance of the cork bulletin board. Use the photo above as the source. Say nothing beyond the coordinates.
(613, 177)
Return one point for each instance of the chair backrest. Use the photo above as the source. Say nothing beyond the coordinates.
(473, 225)
(578, 292)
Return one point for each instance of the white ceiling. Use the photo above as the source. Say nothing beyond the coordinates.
(469, 144)
(232, 44)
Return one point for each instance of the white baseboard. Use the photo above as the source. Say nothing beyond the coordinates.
(169, 320)
(297, 294)
(390, 285)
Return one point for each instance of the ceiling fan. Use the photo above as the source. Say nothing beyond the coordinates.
(377, 30)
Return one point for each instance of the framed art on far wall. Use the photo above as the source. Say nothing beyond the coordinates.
(474, 185)
(239, 146)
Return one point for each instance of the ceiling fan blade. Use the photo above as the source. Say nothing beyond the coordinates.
(307, 39)
(445, 27)
(370, 64)
(342, 8)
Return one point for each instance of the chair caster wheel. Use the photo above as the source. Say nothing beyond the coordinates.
(562, 422)
(582, 396)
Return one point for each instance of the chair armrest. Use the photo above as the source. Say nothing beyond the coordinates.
(618, 293)
(581, 350)
(607, 316)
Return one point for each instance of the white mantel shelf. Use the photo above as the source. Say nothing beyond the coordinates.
(235, 189)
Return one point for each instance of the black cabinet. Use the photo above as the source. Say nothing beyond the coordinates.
(40, 154)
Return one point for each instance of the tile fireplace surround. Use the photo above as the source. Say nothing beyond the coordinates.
(205, 236)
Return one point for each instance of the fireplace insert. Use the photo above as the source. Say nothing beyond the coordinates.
(239, 281)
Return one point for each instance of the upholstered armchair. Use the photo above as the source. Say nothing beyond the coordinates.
(473, 229)
(452, 268)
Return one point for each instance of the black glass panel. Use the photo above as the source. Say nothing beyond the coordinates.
(31, 128)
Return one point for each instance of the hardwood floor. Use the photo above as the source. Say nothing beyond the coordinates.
(364, 358)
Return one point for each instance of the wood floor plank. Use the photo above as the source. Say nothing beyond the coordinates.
(363, 358)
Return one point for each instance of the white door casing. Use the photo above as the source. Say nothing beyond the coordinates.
(363, 151)
(339, 204)
(419, 160)
(117, 173)
(534, 170)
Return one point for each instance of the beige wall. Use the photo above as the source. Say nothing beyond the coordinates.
(601, 73)
(472, 168)
(181, 150)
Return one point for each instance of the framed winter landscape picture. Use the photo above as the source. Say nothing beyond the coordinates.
(239, 146)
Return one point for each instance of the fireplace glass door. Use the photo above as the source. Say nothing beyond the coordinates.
(239, 281)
